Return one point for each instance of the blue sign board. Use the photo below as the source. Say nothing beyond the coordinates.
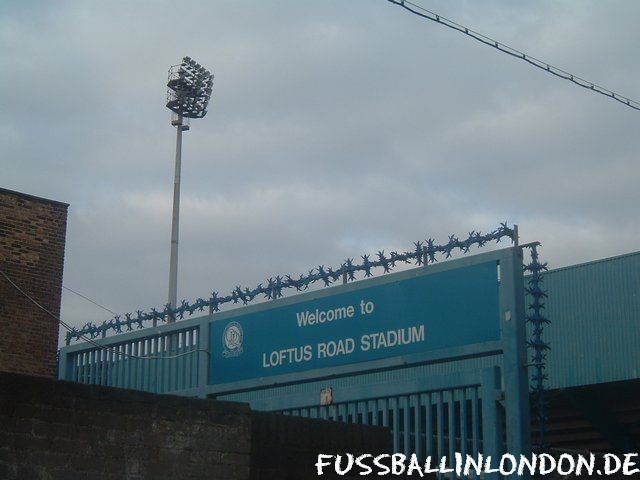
(420, 314)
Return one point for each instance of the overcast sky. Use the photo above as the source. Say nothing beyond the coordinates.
(336, 128)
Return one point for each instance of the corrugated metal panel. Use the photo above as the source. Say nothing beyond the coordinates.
(595, 313)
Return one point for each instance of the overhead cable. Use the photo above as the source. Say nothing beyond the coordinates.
(542, 65)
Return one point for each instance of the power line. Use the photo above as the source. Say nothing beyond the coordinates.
(542, 65)
(88, 299)
(87, 339)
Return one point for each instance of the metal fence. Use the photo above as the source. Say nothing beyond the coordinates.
(168, 360)
(174, 358)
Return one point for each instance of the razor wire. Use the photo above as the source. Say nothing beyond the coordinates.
(536, 317)
(424, 252)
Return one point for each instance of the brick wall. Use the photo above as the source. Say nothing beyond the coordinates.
(287, 447)
(32, 241)
(63, 430)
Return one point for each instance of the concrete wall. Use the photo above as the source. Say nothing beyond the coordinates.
(62, 430)
(32, 241)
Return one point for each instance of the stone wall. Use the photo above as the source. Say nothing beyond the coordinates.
(287, 447)
(32, 241)
(62, 430)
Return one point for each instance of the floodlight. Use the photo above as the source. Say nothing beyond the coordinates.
(189, 88)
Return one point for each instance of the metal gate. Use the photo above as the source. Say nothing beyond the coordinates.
(469, 399)
(433, 417)
(460, 387)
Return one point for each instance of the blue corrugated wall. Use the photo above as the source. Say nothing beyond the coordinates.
(595, 313)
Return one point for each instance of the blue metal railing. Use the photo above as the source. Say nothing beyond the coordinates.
(171, 358)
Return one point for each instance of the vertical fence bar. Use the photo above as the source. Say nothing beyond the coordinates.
(203, 358)
(87, 367)
(440, 427)
(364, 411)
(171, 362)
(98, 369)
(186, 361)
(352, 412)
(162, 364)
(451, 410)
(121, 364)
(153, 365)
(179, 360)
(92, 367)
(396, 424)
(406, 427)
(334, 413)
(194, 359)
(372, 407)
(127, 365)
(385, 412)
(176, 362)
(417, 425)
(147, 365)
(122, 361)
(491, 424)
(75, 370)
(141, 365)
(425, 399)
(81, 368)
(134, 365)
(103, 366)
(107, 366)
(342, 412)
(463, 423)
(121, 357)
(475, 422)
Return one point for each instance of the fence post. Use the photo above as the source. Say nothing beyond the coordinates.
(491, 419)
(204, 357)
(63, 373)
(516, 378)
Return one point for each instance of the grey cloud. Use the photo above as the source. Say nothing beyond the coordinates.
(336, 129)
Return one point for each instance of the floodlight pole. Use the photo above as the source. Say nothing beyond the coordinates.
(189, 87)
(175, 219)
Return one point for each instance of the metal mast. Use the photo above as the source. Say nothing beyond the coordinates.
(188, 92)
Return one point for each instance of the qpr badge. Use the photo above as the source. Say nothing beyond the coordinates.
(232, 340)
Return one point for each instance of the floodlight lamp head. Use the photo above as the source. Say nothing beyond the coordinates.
(189, 89)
